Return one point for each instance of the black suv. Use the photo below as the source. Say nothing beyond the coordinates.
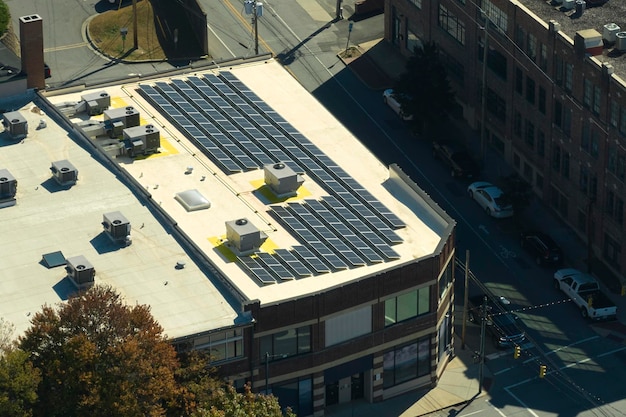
(542, 248)
(458, 160)
(503, 325)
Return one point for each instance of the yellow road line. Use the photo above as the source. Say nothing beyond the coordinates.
(65, 47)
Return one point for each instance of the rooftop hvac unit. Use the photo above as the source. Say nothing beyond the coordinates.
(97, 102)
(244, 236)
(282, 179)
(8, 188)
(142, 139)
(620, 41)
(15, 124)
(609, 32)
(64, 172)
(80, 271)
(569, 4)
(128, 115)
(117, 227)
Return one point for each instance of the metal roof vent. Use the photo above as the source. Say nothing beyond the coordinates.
(117, 227)
(15, 124)
(64, 172)
(80, 271)
(142, 140)
(244, 236)
(282, 180)
(620, 41)
(8, 188)
(609, 32)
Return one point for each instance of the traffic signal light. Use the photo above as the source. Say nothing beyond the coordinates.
(517, 352)
(542, 371)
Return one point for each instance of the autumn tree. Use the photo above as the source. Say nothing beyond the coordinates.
(18, 384)
(101, 357)
(18, 378)
(227, 402)
(423, 89)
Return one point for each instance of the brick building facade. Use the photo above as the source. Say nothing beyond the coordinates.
(555, 99)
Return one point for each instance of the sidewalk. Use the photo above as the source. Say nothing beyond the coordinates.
(458, 386)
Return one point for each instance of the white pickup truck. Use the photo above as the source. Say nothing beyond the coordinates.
(585, 291)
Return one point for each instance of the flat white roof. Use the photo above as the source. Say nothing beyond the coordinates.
(48, 218)
(184, 301)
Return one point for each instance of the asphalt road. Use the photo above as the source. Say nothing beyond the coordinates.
(585, 371)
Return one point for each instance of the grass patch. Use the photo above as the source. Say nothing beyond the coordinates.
(351, 52)
(104, 31)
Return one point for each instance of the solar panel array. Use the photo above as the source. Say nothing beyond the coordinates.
(240, 132)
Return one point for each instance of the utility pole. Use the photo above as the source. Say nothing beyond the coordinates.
(483, 102)
(339, 11)
(465, 298)
(135, 39)
(255, 8)
(483, 325)
(592, 200)
(267, 372)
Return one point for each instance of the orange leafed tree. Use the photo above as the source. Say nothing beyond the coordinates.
(101, 357)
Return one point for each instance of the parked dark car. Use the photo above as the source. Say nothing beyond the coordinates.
(457, 159)
(503, 325)
(542, 247)
(46, 71)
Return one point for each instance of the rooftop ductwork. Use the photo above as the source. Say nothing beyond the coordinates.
(15, 124)
(282, 180)
(64, 173)
(117, 227)
(80, 272)
(244, 236)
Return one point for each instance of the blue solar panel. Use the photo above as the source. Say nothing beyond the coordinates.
(274, 266)
(242, 132)
(293, 263)
(311, 259)
(257, 271)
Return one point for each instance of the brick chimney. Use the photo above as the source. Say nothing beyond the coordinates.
(31, 46)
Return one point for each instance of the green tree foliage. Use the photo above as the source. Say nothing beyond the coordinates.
(424, 89)
(18, 384)
(5, 17)
(227, 402)
(100, 357)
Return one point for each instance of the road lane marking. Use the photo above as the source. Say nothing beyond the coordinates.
(472, 413)
(66, 47)
(521, 402)
(221, 41)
